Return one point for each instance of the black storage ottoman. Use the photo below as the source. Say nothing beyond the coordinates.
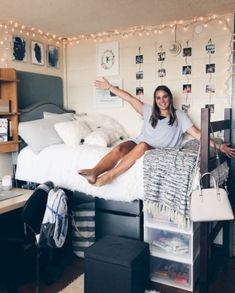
(117, 265)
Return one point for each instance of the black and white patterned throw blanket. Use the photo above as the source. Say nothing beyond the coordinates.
(168, 176)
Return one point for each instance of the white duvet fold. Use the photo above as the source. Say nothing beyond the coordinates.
(60, 163)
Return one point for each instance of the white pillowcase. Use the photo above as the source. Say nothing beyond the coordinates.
(72, 133)
(47, 115)
(40, 133)
(73, 116)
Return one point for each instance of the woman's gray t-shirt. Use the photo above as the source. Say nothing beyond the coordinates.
(163, 135)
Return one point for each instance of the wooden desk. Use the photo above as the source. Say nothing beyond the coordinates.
(14, 203)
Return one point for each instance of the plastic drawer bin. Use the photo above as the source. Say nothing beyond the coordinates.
(117, 265)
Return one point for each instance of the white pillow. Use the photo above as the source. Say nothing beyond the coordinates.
(47, 115)
(97, 137)
(103, 121)
(102, 137)
(40, 133)
(72, 133)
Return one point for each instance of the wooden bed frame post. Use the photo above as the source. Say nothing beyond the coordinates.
(207, 233)
(227, 225)
(204, 227)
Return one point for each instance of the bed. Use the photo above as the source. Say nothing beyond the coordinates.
(119, 206)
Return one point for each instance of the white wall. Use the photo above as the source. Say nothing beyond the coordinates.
(81, 70)
(6, 61)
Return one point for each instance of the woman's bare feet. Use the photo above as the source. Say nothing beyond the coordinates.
(104, 179)
(88, 174)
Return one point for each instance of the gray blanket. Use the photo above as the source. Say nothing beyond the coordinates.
(168, 175)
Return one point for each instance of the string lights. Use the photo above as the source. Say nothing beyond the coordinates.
(7, 29)
(12, 27)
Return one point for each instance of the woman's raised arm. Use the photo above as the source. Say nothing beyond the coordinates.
(104, 84)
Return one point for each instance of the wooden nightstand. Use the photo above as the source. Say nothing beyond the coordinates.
(14, 203)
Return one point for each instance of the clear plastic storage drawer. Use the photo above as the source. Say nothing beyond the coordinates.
(170, 272)
(168, 242)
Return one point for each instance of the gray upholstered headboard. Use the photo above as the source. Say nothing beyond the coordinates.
(34, 88)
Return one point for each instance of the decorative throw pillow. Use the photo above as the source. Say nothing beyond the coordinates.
(40, 133)
(72, 133)
(103, 137)
(97, 137)
(97, 121)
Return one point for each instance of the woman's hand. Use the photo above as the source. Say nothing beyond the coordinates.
(227, 150)
(103, 84)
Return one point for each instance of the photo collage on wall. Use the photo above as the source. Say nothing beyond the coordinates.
(210, 70)
(186, 72)
(161, 57)
(23, 50)
(139, 60)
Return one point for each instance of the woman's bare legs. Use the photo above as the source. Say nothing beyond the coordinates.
(126, 162)
(107, 162)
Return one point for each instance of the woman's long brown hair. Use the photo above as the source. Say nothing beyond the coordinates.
(156, 111)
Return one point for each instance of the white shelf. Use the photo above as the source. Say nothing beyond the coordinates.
(169, 266)
(167, 227)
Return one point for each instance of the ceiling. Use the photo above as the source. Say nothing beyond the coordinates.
(68, 18)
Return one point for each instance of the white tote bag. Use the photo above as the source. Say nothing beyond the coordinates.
(210, 204)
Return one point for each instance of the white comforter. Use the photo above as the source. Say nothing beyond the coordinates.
(60, 163)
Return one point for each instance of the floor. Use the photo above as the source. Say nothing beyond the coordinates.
(223, 279)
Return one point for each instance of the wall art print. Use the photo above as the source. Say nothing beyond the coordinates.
(53, 56)
(37, 53)
(107, 59)
(19, 48)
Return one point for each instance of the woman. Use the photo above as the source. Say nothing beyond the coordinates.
(163, 126)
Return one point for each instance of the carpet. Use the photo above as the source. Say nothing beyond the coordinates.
(77, 286)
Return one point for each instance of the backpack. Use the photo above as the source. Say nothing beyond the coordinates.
(55, 221)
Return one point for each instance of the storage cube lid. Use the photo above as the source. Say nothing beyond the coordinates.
(117, 250)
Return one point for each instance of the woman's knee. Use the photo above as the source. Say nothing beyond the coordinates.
(143, 146)
(124, 148)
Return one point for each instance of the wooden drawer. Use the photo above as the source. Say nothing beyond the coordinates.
(108, 223)
(133, 208)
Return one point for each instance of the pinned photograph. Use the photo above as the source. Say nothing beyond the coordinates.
(19, 49)
(211, 107)
(37, 53)
(187, 88)
(210, 48)
(161, 56)
(186, 70)
(139, 59)
(187, 52)
(139, 91)
(161, 72)
(140, 74)
(185, 108)
(210, 88)
(210, 68)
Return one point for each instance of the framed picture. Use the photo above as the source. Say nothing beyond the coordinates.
(53, 56)
(107, 59)
(37, 53)
(106, 99)
(19, 48)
